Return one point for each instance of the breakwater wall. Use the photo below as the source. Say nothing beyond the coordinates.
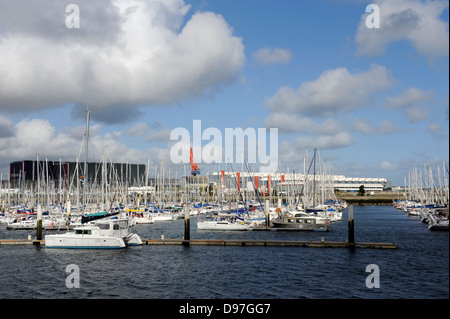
(368, 201)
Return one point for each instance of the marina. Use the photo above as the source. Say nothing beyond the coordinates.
(224, 201)
(89, 222)
(216, 263)
(187, 243)
(219, 158)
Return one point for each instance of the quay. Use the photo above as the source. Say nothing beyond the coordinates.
(4, 242)
(234, 242)
(269, 243)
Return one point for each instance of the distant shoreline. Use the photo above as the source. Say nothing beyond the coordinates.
(381, 198)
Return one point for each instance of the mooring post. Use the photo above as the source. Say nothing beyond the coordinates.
(187, 225)
(351, 226)
(267, 213)
(39, 223)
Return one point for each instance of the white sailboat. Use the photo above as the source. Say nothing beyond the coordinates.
(162, 216)
(222, 222)
(301, 221)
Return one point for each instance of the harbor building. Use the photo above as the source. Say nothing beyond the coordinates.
(64, 174)
(28, 172)
(292, 182)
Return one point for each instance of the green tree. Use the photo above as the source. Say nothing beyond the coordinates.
(361, 191)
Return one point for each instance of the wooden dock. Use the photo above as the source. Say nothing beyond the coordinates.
(233, 242)
(21, 242)
(268, 243)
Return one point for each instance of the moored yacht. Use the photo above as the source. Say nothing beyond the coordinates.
(107, 234)
(222, 222)
(301, 221)
(437, 223)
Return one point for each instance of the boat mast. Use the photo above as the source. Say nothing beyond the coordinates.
(314, 181)
(85, 174)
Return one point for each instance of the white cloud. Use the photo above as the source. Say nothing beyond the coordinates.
(387, 166)
(145, 56)
(417, 21)
(37, 136)
(148, 134)
(438, 131)
(366, 126)
(34, 137)
(290, 123)
(434, 128)
(363, 126)
(138, 129)
(335, 91)
(411, 101)
(288, 149)
(267, 56)
(410, 97)
(387, 127)
(158, 136)
(416, 114)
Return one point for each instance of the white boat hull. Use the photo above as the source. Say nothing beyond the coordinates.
(132, 240)
(142, 220)
(162, 218)
(221, 226)
(71, 240)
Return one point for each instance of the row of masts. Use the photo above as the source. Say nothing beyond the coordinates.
(310, 188)
(112, 189)
(428, 185)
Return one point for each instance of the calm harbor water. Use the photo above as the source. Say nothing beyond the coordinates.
(419, 268)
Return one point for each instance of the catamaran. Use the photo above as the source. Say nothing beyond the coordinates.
(107, 234)
(97, 230)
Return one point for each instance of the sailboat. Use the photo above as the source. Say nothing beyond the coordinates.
(223, 221)
(436, 223)
(301, 221)
(101, 234)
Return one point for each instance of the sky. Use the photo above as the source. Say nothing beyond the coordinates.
(373, 101)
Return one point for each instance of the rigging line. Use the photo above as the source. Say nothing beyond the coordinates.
(254, 187)
(240, 194)
(307, 173)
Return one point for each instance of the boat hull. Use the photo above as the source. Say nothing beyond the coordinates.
(300, 225)
(132, 240)
(74, 241)
(221, 226)
(439, 226)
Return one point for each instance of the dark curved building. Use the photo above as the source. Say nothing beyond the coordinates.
(28, 172)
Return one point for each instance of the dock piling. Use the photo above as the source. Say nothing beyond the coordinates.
(39, 223)
(187, 225)
(267, 213)
(351, 226)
